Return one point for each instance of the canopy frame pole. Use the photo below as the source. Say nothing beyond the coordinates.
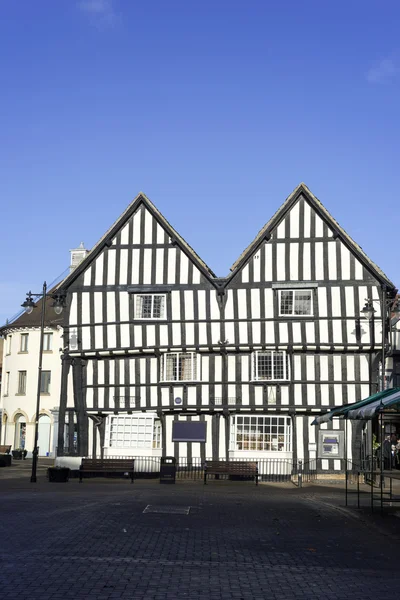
(382, 465)
(345, 455)
(372, 469)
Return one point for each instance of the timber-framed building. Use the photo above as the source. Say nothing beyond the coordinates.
(152, 336)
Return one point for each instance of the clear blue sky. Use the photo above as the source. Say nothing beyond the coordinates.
(215, 109)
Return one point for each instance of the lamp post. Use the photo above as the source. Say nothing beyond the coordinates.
(389, 306)
(29, 305)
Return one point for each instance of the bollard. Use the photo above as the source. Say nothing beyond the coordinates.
(300, 475)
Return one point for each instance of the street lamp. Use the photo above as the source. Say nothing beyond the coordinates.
(389, 307)
(29, 305)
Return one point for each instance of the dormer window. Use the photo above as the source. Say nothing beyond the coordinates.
(150, 306)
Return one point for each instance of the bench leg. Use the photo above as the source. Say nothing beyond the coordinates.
(80, 476)
(131, 477)
(205, 478)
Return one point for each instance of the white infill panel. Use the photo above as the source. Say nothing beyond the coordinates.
(280, 260)
(134, 275)
(299, 436)
(160, 234)
(159, 265)
(307, 220)
(87, 278)
(255, 303)
(171, 265)
(294, 261)
(98, 307)
(111, 267)
(306, 261)
(345, 256)
(98, 337)
(123, 266)
(148, 227)
(294, 219)
(184, 275)
(257, 266)
(332, 267)
(110, 307)
(147, 260)
(319, 227)
(137, 220)
(73, 310)
(125, 235)
(319, 261)
(268, 262)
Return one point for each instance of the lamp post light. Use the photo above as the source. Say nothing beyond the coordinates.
(389, 306)
(29, 305)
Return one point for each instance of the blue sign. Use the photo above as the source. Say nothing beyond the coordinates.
(178, 400)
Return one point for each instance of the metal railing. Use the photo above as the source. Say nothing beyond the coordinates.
(269, 469)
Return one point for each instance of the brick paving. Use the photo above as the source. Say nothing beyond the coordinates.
(238, 542)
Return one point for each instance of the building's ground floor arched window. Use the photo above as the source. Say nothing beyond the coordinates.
(20, 432)
(44, 435)
(261, 433)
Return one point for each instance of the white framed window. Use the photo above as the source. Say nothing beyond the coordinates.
(157, 434)
(23, 347)
(149, 306)
(130, 431)
(45, 381)
(9, 342)
(261, 434)
(295, 303)
(180, 366)
(7, 384)
(47, 342)
(22, 382)
(270, 365)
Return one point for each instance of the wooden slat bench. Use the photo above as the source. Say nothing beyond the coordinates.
(231, 467)
(5, 449)
(107, 466)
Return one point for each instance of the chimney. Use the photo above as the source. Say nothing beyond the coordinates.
(77, 256)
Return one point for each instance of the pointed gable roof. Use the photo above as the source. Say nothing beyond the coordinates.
(120, 222)
(315, 203)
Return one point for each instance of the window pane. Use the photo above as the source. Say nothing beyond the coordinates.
(171, 367)
(264, 365)
(302, 305)
(286, 302)
(158, 307)
(279, 365)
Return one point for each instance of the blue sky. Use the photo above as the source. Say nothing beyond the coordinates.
(216, 110)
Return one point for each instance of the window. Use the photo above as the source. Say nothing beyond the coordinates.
(134, 431)
(295, 303)
(24, 342)
(180, 366)
(150, 306)
(47, 342)
(157, 435)
(9, 340)
(270, 365)
(7, 384)
(45, 382)
(255, 433)
(21, 382)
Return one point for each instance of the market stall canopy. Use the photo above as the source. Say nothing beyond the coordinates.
(364, 409)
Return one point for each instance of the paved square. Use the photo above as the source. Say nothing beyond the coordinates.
(238, 542)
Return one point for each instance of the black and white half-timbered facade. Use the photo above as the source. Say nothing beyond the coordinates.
(152, 336)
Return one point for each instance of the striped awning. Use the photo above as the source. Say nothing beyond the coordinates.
(364, 409)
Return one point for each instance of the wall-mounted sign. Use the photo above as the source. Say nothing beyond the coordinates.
(330, 444)
(178, 400)
(189, 431)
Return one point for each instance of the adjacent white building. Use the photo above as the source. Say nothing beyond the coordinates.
(20, 377)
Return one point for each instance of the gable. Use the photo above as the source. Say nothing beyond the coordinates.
(140, 248)
(302, 242)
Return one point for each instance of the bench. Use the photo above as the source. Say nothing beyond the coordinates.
(106, 466)
(5, 449)
(231, 467)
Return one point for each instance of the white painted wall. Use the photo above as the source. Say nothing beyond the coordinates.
(12, 403)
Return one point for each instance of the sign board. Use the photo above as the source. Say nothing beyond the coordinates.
(189, 431)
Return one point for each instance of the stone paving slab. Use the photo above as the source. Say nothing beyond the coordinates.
(92, 540)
